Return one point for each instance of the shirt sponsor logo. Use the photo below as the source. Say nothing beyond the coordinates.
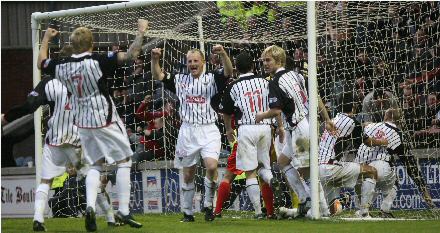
(195, 99)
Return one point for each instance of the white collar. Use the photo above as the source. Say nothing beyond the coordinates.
(280, 69)
(81, 54)
(245, 75)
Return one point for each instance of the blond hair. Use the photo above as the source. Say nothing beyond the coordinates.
(197, 51)
(277, 53)
(82, 40)
(393, 114)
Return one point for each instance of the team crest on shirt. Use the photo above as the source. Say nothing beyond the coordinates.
(273, 100)
(33, 93)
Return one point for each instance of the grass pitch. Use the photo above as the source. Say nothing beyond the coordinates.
(228, 224)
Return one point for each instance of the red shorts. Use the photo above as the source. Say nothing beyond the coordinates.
(231, 161)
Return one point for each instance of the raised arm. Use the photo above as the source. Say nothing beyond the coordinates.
(156, 71)
(329, 125)
(135, 48)
(48, 35)
(226, 62)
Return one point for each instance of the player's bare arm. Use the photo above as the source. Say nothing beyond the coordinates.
(329, 125)
(273, 112)
(156, 71)
(226, 62)
(135, 48)
(229, 131)
(48, 35)
(280, 129)
(375, 142)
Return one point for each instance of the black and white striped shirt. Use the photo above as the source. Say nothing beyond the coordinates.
(84, 75)
(61, 129)
(245, 97)
(383, 130)
(349, 136)
(195, 95)
(293, 87)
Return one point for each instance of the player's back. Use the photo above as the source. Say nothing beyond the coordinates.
(250, 95)
(345, 126)
(379, 131)
(293, 84)
(84, 76)
(61, 128)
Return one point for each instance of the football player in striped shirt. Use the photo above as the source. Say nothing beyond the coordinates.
(333, 172)
(102, 132)
(292, 96)
(244, 98)
(381, 158)
(198, 135)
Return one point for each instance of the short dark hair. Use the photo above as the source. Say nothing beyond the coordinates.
(378, 93)
(347, 102)
(244, 62)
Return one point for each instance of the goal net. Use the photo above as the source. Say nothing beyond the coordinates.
(362, 47)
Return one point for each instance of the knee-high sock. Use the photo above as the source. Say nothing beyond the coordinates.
(253, 190)
(223, 193)
(92, 186)
(323, 205)
(124, 186)
(41, 197)
(209, 192)
(367, 190)
(388, 199)
(295, 182)
(104, 203)
(265, 174)
(188, 190)
(266, 192)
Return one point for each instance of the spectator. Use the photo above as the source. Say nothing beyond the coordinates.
(375, 104)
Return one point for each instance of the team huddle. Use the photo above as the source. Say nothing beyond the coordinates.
(252, 108)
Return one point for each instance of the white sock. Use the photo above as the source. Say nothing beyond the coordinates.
(41, 197)
(265, 174)
(188, 190)
(367, 191)
(103, 202)
(253, 190)
(92, 186)
(323, 205)
(292, 212)
(295, 182)
(388, 199)
(209, 193)
(124, 186)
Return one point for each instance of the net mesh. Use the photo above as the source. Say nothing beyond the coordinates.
(362, 46)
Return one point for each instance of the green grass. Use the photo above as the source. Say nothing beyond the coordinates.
(170, 223)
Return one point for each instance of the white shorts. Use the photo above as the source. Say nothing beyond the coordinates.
(253, 147)
(386, 177)
(110, 142)
(56, 158)
(296, 140)
(345, 174)
(195, 140)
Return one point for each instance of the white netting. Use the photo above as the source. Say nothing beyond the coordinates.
(362, 46)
